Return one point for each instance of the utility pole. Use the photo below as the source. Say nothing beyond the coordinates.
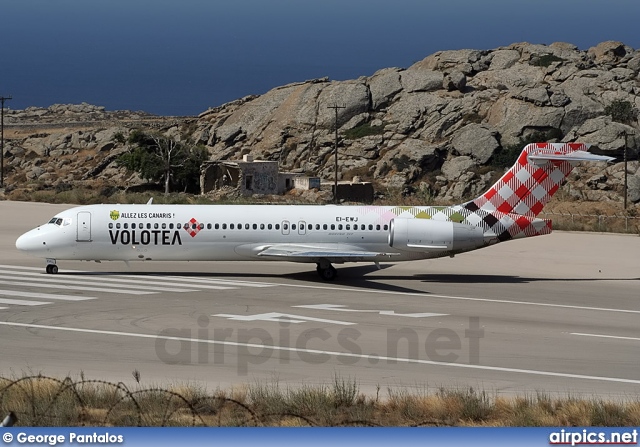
(335, 107)
(625, 169)
(2, 100)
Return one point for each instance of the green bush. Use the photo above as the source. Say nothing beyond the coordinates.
(363, 130)
(621, 111)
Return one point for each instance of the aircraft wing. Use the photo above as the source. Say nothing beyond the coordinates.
(312, 253)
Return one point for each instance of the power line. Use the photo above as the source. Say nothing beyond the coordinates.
(2, 100)
(335, 107)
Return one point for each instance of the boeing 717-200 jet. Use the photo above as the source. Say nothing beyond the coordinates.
(323, 235)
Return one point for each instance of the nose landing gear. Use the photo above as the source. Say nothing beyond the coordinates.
(52, 268)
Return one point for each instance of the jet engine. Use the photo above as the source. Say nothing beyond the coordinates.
(427, 235)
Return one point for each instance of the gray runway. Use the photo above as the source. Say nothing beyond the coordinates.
(557, 313)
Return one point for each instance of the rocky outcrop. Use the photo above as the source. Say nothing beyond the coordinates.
(451, 111)
(438, 125)
(67, 145)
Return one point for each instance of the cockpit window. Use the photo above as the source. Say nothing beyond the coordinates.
(56, 221)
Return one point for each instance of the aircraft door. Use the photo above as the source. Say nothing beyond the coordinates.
(84, 227)
(302, 227)
(285, 227)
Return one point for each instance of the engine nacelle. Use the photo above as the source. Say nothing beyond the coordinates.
(428, 235)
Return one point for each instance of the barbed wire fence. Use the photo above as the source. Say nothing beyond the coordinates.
(47, 401)
(614, 223)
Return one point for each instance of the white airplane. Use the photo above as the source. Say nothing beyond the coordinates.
(323, 235)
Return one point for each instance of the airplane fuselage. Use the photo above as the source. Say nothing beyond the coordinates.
(215, 232)
(316, 234)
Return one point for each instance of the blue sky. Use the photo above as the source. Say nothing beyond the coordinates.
(181, 57)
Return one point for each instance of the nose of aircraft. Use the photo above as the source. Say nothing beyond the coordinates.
(29, 242)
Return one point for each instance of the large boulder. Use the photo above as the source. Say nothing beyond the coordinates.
(477, 140)
(455, 167)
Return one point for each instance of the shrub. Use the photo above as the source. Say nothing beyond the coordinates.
(364, 130)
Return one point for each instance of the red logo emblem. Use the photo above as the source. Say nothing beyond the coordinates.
(192, 227)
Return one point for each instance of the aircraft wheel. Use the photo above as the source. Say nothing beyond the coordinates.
(52, 269)
(328, 273)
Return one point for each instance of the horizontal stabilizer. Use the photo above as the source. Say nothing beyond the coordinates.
(571, 156)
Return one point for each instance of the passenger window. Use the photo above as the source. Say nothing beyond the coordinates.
(333, 226)
(339, 226)
(110, 225)
(277, 226)
(209, 226)
(285, 226)
(202, 226)
(378, 227)
(317, 226)
(348, 227)
(239, 226)
(156, 226)
(269, 226)
(171, 226)
(133, 226)
(164, 226)
(246, 226)
(217, 226)
(386, 227)
(370, 227)
(178, 226)
(118, 226)
(262, 226)
(293, 226)
(194, 226)
(126, 226)
(224, 226)
(255, 226)
(324, 227)
(231, 227)
(148, 226)
(310, 227)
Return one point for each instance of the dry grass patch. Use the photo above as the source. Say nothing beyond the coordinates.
(44, 401)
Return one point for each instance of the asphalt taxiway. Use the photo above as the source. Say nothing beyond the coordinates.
(557, 313)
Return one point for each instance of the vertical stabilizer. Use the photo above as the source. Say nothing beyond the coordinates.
(535, 177)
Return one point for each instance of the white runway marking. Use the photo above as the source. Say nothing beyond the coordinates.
(464, 298)
(280, 317)
(46, 296)
(217, 281)
(22, 302)
(72, 281)
(70, 287)
(357, 290)
(617, 337)
(332, 353)
(344, 308)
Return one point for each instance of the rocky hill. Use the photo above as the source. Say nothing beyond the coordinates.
(437, 128)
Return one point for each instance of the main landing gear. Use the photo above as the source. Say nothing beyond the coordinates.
(326, 270)
(52, 268)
